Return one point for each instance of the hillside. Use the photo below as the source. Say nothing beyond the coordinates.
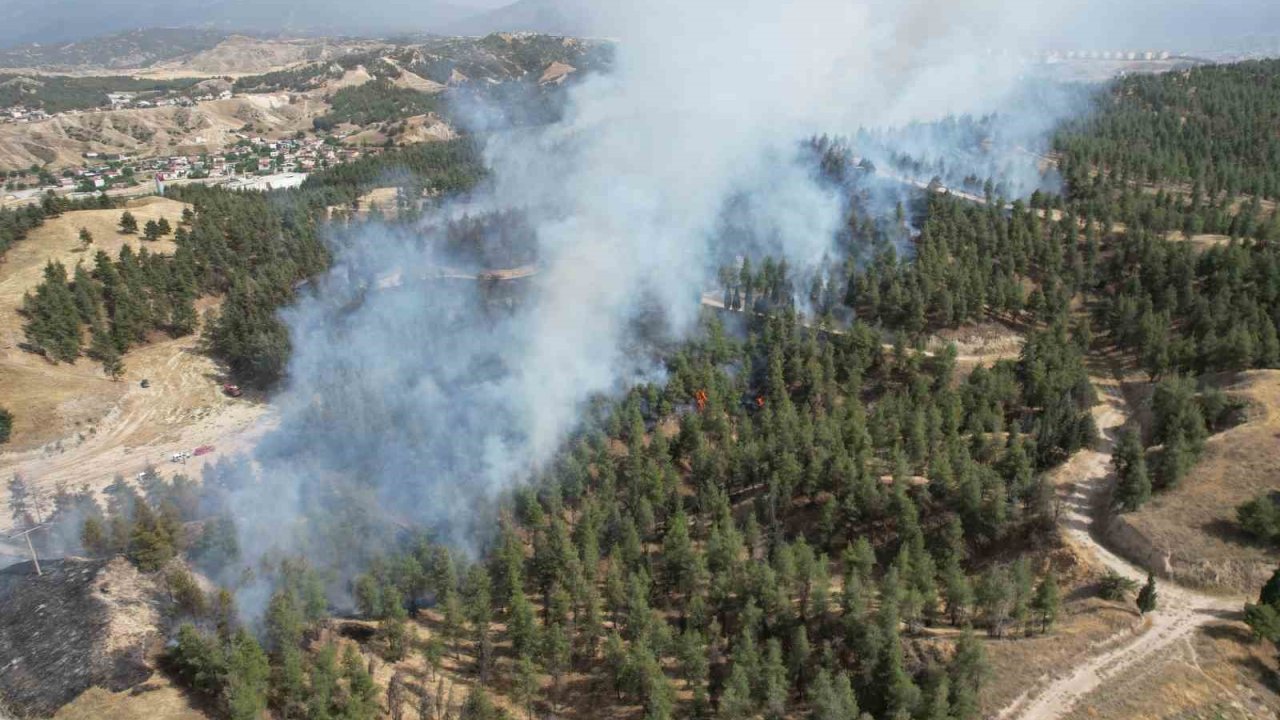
(1191, 533)
(83, 623)
(130, 49)
(62, 141)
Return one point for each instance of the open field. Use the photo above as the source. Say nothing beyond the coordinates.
(1215, 673)
(1086, 625)
(1190, 533)
(72, 424)
(159, 699)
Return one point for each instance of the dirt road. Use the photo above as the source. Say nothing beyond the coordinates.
(181, 410)
(1011, 350)
(1180, 614)
(73, 426)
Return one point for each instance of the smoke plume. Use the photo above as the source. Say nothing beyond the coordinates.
(433, 397)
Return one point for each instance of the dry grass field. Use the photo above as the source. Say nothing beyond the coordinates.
(157, 699)
(72, 424)
(1216, 674)
(1192, 529)
(1086, 626)
(51, 400)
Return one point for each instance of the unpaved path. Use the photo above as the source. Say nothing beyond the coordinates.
(73, 426)
(181, 410)
(1180, 614)
(715, 299)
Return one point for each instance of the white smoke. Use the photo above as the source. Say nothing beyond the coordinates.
(434, 400)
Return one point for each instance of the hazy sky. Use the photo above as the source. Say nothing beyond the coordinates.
(1180, 24)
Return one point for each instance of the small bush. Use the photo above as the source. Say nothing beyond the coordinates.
(1115, 586)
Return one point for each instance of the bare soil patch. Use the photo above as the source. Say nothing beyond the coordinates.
(1215, 673)
(988, 341)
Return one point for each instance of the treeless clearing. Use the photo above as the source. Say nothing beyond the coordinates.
(1201, 242)
(980, 344)
(160, 700)
(1215, 673)
(72, 424)
(1192, 529)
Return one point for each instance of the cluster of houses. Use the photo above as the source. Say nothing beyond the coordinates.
(253, 156)
(1127, 55)
(252, 163)
(20, 114)
(118, 101)
(127, 100)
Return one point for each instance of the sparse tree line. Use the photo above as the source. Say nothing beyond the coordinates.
(16, 223)
(1183, 417)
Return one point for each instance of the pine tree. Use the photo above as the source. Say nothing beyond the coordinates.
(1046, 601)
(735, 701)
(6, 425)
(526, 684)
(968, 671)
(1133, 486)
(128, 223)
(54, 317)
(832, 699)
(247, 678)
(362, 696)
(1147, 596)
(521, 624)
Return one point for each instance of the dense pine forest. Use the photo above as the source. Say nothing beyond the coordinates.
(782, 527)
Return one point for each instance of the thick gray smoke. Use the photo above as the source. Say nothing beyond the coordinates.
(435, 399)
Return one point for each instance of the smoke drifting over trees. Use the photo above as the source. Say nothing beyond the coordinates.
(428, 398)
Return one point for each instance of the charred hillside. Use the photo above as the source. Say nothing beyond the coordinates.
(82, 623)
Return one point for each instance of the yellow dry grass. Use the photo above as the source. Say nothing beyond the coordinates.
(1086, 625)
(1217, 673)
(72, 425)
(157, 699)
(51, 401)
(1194, 525)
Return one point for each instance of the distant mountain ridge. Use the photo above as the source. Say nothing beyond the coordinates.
(541, 16)
(128, 49)
(30, 27)
(48, 22)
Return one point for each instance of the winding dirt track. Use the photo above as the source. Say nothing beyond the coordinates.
(1181, 612)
